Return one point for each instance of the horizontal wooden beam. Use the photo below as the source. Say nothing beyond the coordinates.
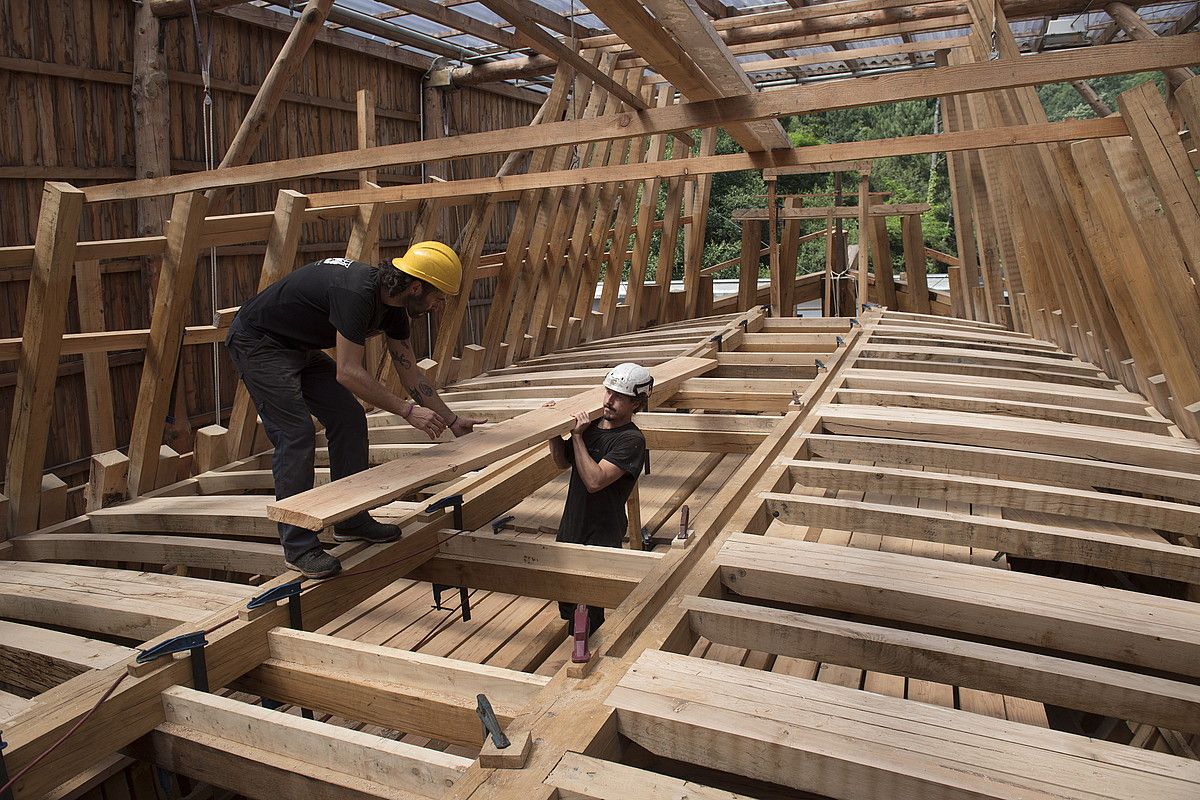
(401, 690)
(580, 777)
(38, 659)
(838, 212)
(1032, 70)
(1125, 627)
(1045, 679)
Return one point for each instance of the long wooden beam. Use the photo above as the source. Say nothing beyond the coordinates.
(1048, 67)
(1044, 678)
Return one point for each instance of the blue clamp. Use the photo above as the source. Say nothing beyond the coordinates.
(854, 321)
(192, 643)
(454, 501)
(840, 341)
(288, 591)
(491, 725)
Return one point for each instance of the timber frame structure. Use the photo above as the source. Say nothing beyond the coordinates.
(939, 544)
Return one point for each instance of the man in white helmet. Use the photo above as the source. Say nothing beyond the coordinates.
(606, 457)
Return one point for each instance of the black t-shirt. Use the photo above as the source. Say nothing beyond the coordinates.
(309, 307)
(598, 518)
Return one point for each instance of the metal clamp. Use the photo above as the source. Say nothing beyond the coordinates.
(464, 600)
(840, 341)
(4, 770)
(454, 501)
(582, 626)
(288, 591)
(500, 524)
(491, 725)
(684, 517)
(854, 321)
(192, 643)
(820, 365)
(718, 338)
(745, 323)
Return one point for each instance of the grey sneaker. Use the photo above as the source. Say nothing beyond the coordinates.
(364, 528)
(316, 563)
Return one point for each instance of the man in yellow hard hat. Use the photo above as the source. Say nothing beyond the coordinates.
(276, 343)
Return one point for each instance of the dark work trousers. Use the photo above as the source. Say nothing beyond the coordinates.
(289, 387)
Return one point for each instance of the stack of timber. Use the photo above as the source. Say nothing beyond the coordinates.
(912, 575)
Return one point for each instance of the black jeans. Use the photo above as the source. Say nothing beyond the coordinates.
(289, 387)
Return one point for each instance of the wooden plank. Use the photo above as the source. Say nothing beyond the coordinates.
(580, 777)
(217, 553)
(38, 659)
(1124, 627)
(171, 301)
(361, 758)
(1063, 501)
(1073, 684)
(839, 742)
(914, 262)
(1116, 59)
(838, 212)
(1010, 433)
(41, 341)
(324, 505)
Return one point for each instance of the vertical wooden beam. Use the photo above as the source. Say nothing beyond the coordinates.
(647, 209)
(748, 277)
(962, 291)
(97, 379)
(108, 480)
(881, 249)
(1166, 162)
(864, 239)
(775, 266)
(694, 234)
(52, 503)
(669, 238)
(914, 263)
(283, 241)
(171, 304)
(41, 344)
(212, 449)
(365, 104)
(151, 117)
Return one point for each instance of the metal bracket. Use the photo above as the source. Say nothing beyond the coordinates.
(684, 518)
(840, 341)
(745, 323)
(820, 365)
(491, 725)
(854, 321)
(499, 524)
(718, 338)
(193, 643)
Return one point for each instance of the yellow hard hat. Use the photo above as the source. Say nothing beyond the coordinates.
(433, 262)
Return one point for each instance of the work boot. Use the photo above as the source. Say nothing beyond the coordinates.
(364, 528)
(316, 563)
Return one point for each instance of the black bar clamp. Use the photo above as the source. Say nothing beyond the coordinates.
(840, 341)
(718, 338)
(854, 321)
(455, 501)
(498, 525)
(820, 365)
(193, 644)
(491, 725)
(288, 591)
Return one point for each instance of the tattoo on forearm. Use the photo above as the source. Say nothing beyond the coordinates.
(402, 360)
(425, 389)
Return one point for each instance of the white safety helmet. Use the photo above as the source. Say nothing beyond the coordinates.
(630, 379)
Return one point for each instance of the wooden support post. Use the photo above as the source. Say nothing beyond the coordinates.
(633, 509)
(52, 505)
(694, 234)
(89, 296)
(789, 248)
(41, 343)
(864, 238)
(212, 449)
(748, 277)
(310, 22)
(777, 277)
(914, 263)
(365, 104)
(151, 118)
(171, 303)
(885, 282)
(472, 361)
(167, 471)
(108, 480)
(282, 244)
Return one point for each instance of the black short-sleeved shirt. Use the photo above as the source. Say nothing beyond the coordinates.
(598, 518)
(309, 307)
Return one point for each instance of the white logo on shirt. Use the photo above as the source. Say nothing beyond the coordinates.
(344, 262)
